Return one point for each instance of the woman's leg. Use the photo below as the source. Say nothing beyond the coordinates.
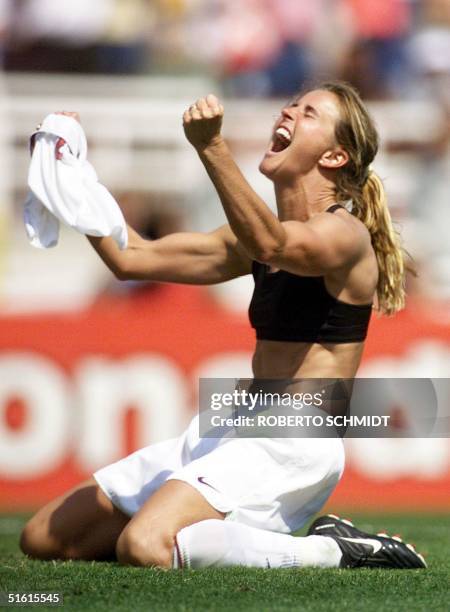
(177, 527)
(149, 537)
(81, 524)
(226, 543)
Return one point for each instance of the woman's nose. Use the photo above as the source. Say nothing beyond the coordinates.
(287, 112)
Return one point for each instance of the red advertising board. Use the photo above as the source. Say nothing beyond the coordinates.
(80, 390)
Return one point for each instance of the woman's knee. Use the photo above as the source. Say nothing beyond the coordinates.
(80, 524)
(155, 549)
(35, 541)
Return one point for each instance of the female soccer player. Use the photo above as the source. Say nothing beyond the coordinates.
(317, 268)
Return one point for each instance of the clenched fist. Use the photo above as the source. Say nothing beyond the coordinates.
(60, 142)
(202, 122)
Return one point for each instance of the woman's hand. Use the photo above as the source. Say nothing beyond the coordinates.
(72, 114)
(61, 142)
(202, 122)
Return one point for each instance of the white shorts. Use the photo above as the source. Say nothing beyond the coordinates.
(271, 483)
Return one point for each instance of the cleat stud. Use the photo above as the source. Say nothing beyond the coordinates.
(383, 534)
(397, 538)
(411, 547)
(347, 522)
(334, 516)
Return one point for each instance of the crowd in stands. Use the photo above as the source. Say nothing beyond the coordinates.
(256, 47)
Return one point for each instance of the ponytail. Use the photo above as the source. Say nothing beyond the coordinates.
(370, 207)
(355, 131)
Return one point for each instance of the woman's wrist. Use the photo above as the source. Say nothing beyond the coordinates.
(216, 146)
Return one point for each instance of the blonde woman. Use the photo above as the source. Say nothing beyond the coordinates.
(318, 268)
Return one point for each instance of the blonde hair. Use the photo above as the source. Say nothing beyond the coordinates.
(356, 133)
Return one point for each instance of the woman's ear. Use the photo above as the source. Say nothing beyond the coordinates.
(334, 158)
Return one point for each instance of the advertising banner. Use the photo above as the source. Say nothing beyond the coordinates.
(80, 390)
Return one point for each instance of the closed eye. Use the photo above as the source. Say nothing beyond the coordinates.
(310, 111)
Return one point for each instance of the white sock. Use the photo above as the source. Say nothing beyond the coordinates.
(224, 543)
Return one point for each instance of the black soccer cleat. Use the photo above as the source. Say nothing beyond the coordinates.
(361, 549)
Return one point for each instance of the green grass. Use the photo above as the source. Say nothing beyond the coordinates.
(107, 586)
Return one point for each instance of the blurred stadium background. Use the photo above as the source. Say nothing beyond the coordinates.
(91, 368)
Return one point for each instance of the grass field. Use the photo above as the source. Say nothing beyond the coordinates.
(108, 586)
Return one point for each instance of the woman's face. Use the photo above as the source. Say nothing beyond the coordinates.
(302, 135)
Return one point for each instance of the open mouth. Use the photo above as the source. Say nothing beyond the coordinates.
(281, 141)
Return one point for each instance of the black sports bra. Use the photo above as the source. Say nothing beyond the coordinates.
(292, 308)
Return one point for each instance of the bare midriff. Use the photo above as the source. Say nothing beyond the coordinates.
(273, 359)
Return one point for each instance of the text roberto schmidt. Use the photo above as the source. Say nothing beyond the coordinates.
(299, 420)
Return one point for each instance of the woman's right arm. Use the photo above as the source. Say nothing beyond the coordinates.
(191, 258)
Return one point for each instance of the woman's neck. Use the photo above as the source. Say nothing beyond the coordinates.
(303, 199)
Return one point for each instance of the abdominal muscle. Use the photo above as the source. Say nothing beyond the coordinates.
(273, 359)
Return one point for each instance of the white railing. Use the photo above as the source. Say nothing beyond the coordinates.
(134, 124)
